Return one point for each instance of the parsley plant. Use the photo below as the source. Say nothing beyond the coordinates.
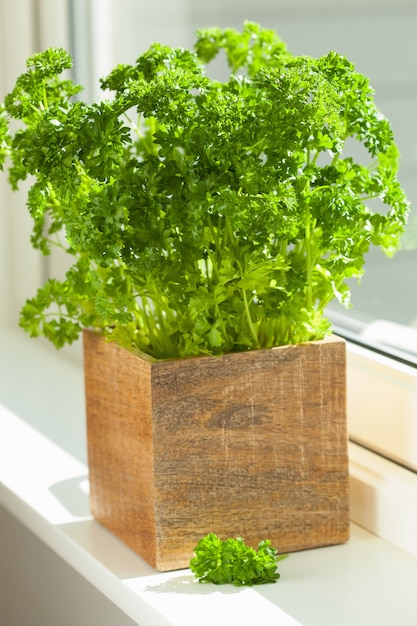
(203, 216)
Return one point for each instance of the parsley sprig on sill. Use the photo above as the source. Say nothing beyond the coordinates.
(233, 562)
(203, 216)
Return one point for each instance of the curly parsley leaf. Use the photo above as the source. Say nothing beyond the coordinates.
(233, 562)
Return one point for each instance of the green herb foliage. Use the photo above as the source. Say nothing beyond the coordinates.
(203, 216)
(232, 561)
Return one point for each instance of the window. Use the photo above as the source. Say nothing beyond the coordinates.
(380, 38)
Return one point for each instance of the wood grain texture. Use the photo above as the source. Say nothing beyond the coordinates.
(252, 444)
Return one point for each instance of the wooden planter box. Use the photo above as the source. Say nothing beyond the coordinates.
(251, 444)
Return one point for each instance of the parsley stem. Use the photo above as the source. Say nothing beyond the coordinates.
(45, 96)
(309, 265)
(307, 240)
(249, 319)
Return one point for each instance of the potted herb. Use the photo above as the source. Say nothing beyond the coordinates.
(208, 219)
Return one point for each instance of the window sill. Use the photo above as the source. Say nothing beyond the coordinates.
(367, 581)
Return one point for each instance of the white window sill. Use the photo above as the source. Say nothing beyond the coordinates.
(368, 581)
